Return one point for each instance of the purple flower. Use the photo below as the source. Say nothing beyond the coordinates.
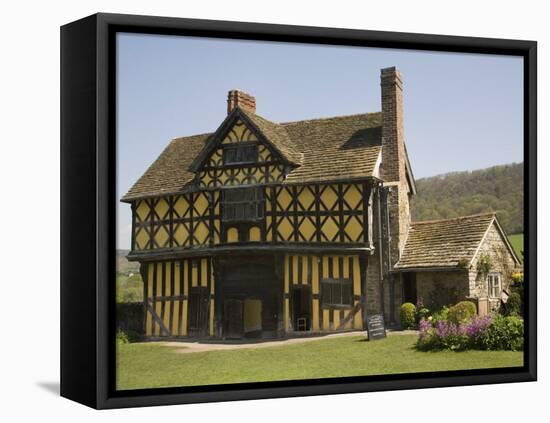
(477, 326)
(423, 327)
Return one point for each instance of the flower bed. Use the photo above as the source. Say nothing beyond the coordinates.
(483, 333)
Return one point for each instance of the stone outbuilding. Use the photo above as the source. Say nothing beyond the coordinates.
(445, 261)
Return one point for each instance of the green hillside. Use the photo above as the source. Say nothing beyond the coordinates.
(498, 188)
(517, 244)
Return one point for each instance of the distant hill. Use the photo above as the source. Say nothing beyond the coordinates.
(123, 265)
(498, 188)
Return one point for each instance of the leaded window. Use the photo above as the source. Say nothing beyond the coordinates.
(240, 154)
(336, 292)
(242, 204)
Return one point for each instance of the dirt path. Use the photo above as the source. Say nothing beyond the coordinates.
(184, 347)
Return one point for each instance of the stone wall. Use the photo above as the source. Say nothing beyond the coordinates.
(502, 261)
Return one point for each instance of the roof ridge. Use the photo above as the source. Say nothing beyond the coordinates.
(191, 136)
(329, 118)
(421, 222)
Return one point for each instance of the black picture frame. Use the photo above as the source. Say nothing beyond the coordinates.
(88, 208)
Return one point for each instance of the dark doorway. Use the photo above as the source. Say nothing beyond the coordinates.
(197, 316)
(301, 307)
(253, 281)
(233, 319)
(409, 288)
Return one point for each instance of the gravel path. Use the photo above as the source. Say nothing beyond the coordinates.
(185, 347)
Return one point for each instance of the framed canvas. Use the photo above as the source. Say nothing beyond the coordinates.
(258, 211)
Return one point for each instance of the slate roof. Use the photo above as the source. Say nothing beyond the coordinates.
(321, 150)
(449, 243)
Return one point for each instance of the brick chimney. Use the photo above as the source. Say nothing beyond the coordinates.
(393, 169)
(237, 98)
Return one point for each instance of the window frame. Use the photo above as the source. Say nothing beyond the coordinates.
(240, 146)
(258, 202)
(336, 282)
(490, 278)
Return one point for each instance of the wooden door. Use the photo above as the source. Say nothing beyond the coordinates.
(198, 312)
(233, 319)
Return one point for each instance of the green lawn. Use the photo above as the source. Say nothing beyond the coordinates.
(151, 365)
(517, 243)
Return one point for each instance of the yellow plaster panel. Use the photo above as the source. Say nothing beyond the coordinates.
(307, 229)
(315, 276)
(142, 210)
(353, 198)
(181, 206)
(306, 198)
(181, 235)
(315, 317)
(201, 203)
(142, 238)
(284, 198)
(201, 233)
(194, 273)
(329, 197)
(161, 236)
(335, 267)
(336, 318)
(294, 270)
(330, 229)
(356, 276)
(305, 263)
(326, 317)
(325, 266)
(254, 234)
(285, 229)
(148, 320)
(204, 272)
(232, 235)
(161, 208)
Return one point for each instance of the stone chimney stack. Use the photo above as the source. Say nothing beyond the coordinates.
(393, 169)
(237, 98)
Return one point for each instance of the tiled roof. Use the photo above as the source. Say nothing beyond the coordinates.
(321, 150)
(449, 243)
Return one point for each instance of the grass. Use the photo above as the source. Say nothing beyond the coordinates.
(152, 365)
(517, 243)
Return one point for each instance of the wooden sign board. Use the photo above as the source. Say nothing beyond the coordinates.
(376, 327)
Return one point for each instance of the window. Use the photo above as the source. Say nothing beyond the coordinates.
(336, 292)
(242, 204)
(236, 154)
(494, 284)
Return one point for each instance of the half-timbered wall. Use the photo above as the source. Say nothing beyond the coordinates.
(314, 270)
(337, 213)
(267, 168)
(318, 213)
(167, 289)
(189, 220)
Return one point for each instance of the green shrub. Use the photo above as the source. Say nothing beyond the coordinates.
(422, 313)
(407, 315)
(440, 315)
(504, 333)
(122, 337)
(462, 312)
(513, 305)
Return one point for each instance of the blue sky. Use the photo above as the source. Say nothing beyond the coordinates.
(461, 111)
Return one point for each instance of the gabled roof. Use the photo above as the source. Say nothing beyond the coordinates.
(270, 133)
(447, 244)
(317, 150)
